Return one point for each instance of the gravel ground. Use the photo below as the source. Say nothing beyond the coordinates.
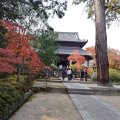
(49, 106)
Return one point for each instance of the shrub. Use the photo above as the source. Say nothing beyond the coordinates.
(8, 96)
(54, 67)
(114, 75)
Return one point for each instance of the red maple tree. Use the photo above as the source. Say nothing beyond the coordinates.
(7, 59)
(76, 57)
(18, 44)
(92, 50)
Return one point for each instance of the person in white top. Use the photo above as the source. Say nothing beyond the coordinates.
(69, 72)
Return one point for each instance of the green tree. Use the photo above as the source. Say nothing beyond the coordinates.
(30, 13)
(13, 10)
(105, 12)
(45, 46)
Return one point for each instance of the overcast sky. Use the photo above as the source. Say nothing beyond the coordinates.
(75, 20)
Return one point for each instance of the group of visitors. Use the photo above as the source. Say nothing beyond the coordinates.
(67, 72)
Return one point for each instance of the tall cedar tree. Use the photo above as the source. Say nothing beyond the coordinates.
(105, 11)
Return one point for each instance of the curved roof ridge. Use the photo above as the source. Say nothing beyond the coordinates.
(69, 50)
(65, 32)
(69, 36)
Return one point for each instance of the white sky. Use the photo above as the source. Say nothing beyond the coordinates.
(75, 20)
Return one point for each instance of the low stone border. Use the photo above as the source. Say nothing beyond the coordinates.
(49, 89)
(106, 91)
(96, 91)
(56, 81)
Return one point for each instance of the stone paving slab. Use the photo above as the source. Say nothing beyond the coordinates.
(92, 108)
(112, 100)
(75, 86)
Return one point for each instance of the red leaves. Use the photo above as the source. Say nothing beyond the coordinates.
(92, 50)
(6, 68)
(76, 57)
(18, 49)
(6, 52)
(7, 60)
(35, 63)
(114, 58)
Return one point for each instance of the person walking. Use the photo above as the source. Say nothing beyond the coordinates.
(72, 74)
(81, 75)
(85, 75)
(63, 73)
(69, 72)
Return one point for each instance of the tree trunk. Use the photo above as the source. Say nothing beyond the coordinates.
(19, 71)
(18, 75)
(101, 44)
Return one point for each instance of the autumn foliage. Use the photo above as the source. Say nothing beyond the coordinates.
(18, 51)
(76, 57)
(92, 50)
(7, 58)
(113, 56)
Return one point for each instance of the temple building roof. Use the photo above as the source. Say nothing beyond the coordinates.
(70, 39)
(69, 42)
(69, 36)
(69, 51)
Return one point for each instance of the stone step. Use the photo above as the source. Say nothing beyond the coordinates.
(72, 89)
(80, 91)
(49, 80)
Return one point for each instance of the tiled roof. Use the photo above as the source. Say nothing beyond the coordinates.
(69, 36)
(69, 50)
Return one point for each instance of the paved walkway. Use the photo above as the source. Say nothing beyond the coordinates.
(93, 107)
(57, 106)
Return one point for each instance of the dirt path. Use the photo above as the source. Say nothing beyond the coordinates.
(49, 106)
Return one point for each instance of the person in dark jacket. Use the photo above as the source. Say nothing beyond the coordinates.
(85, 75)
(81, 75)
(72, 74)
(63, 73)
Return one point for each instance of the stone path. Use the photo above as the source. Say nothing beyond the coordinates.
(92, 107)
(112, 100)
